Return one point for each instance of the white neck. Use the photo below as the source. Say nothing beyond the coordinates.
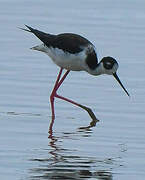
(98, 71)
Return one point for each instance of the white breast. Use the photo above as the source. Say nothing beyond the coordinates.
(66, 60)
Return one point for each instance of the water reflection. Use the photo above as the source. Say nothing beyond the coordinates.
(92, 124)
(20, 113)
(69, 168)
(65, 163)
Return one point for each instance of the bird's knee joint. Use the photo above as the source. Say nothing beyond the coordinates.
(51, 97)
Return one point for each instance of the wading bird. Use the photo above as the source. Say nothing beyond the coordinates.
(74, 53)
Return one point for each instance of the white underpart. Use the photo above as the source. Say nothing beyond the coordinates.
(74, 62)
(66, 60)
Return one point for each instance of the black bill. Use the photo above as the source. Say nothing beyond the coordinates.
(117, 78)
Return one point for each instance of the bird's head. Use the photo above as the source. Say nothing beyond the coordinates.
(109, 66)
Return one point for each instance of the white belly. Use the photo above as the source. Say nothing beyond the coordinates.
(66, 60)
(74, 62)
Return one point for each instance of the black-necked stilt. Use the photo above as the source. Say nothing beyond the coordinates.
(73, 53)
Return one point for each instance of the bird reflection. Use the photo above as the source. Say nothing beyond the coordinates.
(50, 131)
(69, 172)
(62, 163)
(93, 122)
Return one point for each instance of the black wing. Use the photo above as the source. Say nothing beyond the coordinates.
(68, 42)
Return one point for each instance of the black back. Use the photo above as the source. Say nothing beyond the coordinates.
(68, 42)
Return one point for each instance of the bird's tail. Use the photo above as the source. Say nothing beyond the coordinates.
(28, 30)
(44, 37)
(39, 48)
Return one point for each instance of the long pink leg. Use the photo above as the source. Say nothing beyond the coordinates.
(56, 86)
(90, 112)
(54, 92)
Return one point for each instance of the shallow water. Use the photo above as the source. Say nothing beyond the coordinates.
(114, 148)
